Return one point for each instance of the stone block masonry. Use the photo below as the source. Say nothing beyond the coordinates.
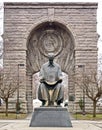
(74, 20)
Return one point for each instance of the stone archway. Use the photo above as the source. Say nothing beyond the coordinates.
(44, 38)
(28, 23)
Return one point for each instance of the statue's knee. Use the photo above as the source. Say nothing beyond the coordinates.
(59, 85)
(42, 86)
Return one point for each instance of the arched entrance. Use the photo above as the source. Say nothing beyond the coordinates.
(43, 39)
(27, 28)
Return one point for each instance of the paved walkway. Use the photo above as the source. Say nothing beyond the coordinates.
(24, 125)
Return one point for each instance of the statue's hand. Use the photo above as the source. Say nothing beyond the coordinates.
(42, 80)
(60, 81)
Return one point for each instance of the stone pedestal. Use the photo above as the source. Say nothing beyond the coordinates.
(50, 117)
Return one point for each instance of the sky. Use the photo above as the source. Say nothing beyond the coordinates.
(99, 15)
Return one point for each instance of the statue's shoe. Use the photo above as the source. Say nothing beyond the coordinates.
(46, 104)
(55, 104)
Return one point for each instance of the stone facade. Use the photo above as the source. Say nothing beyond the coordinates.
(71, 28)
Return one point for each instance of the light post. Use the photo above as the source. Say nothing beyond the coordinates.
(83, 111)
(18, 103)
(84, 102)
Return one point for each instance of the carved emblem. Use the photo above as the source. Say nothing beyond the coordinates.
(50, 42)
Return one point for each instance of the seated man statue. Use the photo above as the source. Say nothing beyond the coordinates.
(50, 90)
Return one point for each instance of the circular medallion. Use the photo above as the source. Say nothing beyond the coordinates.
(50, 42)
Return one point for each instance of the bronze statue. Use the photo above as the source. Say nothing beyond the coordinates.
(50, 91)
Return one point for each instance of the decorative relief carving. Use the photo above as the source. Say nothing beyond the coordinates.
(50, 41)
(46, 39)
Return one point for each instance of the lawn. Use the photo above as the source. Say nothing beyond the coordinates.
(87, 117)
(13, 116)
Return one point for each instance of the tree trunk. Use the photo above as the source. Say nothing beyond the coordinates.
(6, 112)
(94, 108)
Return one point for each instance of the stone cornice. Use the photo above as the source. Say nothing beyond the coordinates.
(69, 5)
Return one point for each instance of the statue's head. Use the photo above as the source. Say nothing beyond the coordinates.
(51, 57)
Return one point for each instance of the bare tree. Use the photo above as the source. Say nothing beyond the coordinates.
(8, 86)
(91, 84)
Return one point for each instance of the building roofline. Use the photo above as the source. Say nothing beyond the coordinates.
(50, 4)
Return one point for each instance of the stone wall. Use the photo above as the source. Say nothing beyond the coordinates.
(21, 18)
